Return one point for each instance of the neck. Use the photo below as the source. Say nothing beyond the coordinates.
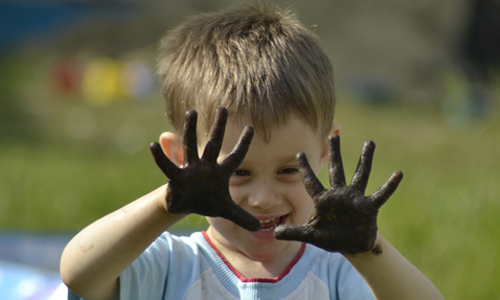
(250, 268)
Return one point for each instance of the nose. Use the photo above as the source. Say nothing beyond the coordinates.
(264, 195)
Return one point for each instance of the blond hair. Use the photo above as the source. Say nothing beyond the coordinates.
(255, 61)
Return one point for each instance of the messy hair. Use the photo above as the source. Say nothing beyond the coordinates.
(256, 61)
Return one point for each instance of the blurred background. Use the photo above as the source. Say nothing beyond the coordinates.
(79, 105)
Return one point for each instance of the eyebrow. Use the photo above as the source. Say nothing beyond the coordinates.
(286, 159)
(290, 158)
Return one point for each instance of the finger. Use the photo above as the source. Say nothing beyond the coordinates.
(310, 180)
(301, 233)
(214, 144)
(360, 178)
(380, 196)
(335, 165)
(168, 168)
(241, 217)
(190, 140)
(234, 159)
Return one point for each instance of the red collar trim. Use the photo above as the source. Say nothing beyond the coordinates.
(256, 279)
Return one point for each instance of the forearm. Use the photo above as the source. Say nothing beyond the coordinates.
(391, 276)
(93, 260)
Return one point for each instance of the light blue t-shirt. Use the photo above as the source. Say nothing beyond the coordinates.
(191, 268)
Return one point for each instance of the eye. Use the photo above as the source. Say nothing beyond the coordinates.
(239, 177)
(241, 172)
(288, 170)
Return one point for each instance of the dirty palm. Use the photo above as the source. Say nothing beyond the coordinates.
(344, 219)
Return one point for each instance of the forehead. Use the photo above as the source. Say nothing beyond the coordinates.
(290, 138)
(263, 120)
(292, 124)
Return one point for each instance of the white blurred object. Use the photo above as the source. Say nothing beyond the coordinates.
(61, 293)
(22, 282)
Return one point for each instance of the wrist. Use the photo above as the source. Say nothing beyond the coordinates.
(162, 204)
(161, 201)
(376, 250)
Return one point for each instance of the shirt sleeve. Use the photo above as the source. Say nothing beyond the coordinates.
(145, 278)
(72, 296)
(148, 276)
(350, 285)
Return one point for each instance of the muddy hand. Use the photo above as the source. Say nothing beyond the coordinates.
(201, 186)
(344, 220)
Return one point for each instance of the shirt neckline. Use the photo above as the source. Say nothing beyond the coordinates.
(255, 279)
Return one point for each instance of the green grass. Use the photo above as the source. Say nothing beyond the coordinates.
(443, 218)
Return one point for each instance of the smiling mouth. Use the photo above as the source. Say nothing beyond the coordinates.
(271, 224)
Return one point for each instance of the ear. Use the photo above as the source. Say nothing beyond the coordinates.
(172, 147)
(335, 129)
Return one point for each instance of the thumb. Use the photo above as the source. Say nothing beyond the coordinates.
(301, 233)
(241, 217)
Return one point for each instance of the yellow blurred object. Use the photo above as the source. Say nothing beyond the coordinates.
(102, 81)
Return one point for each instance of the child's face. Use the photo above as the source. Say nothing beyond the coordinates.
(267, 184)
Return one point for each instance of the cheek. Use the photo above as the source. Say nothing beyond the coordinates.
(302, 203)
(235, 193)
(306, 206)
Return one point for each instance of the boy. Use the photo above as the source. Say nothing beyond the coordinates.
(257, 67)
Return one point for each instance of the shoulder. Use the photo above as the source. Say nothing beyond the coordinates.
(169, 250)
(168, 264)
(320, 260)
(335, 271)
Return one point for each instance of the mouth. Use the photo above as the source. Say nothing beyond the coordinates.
(271, 224)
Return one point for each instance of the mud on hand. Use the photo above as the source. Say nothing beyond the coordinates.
(344, 220)
(201, 186)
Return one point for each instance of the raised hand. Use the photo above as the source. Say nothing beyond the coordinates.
(201, 186)
(344, 220)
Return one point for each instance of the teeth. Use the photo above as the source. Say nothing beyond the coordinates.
(266, 221)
